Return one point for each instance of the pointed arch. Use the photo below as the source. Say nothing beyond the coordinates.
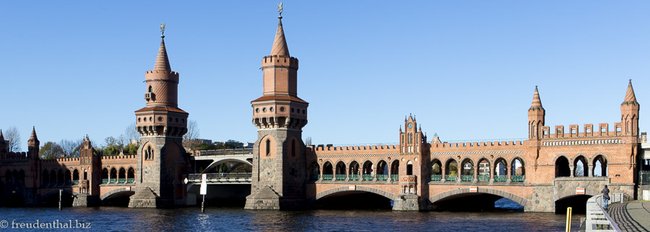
(580, 167)
(599, 166)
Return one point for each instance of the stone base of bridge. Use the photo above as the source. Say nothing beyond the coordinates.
(267, 199)
(145, 198)
(409, 202)
(85, 200)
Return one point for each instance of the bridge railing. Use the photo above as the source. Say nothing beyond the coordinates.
(221, 177)
(481, 179)
(467, 178)
(598, 219)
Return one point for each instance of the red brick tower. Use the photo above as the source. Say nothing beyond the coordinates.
(161, 158)
(279, 170)
(536, 114)
(630, 113)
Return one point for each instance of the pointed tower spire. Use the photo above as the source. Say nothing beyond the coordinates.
(33, 139)
(630, 97)
(537, 102)
(162, 62)
(280, 47)
(2, 137)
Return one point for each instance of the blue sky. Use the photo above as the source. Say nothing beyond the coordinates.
(466, 69)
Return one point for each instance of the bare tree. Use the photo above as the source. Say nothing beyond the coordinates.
(13, 136)
(70, 147)
(131, 133)
(190, 138)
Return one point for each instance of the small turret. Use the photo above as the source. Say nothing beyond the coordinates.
(630, 112)
(33, 144)
(536, 115)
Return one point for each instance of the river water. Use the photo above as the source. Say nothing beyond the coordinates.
(234, 219)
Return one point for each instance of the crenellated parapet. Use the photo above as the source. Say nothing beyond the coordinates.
(588, 131)
(478, 145)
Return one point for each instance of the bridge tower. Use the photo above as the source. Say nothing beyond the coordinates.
(279, 171)
(413, 167)
(161, 158)
(89, 176)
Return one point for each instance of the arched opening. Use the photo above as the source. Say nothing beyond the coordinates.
(577, 202)
(600, 166)
(436, 170)
(409, 168)
(367, 171)
(105, 176)
(75, 177)
(483, 170)
(130, 176)
(354, 174)
(314, 171)
(580, 167)
(562, 167)
(68, 178)
(477, 202)
(354, 200)
(117, 199)
(121, 177)
(382, 171)
(328, 171)
(228, 166)
(340, 171)
(518, 171)
(467, 171)
(451, 170)
(500, 170)
(394, 171)
(113, 178)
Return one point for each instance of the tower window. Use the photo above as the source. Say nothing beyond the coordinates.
(150, 89)
(268, 147)
(148, 153)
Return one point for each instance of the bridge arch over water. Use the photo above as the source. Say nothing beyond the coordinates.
(358, 188)
(465, 191)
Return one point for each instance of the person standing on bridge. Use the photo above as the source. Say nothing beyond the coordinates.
(605, 193)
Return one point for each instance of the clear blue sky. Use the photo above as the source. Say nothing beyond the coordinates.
(467, 69)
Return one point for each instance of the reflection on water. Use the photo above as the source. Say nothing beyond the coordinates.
(220, 219)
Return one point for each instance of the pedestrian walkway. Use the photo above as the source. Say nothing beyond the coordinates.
(631, 216)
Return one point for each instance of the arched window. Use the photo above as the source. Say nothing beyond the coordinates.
(467, 170)
(382, 171)
(394, 171)
(121, 176)
(580, 167)
(483, 170)
(150, 90)
(367, 170)
(517, 171)
(600, 166)
(410, 138)
(268, 147)
(500, 170)
(113, 178)
(354, 173)
(562, 167)
(340, 171)
(328, 171)
(75, 177)
(130, 176)
(451, 170)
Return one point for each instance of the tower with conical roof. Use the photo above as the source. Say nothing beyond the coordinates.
(630, 113)
(279, 171)
(161, 158)
(536, 115)
(4, 148)
(33, 145)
